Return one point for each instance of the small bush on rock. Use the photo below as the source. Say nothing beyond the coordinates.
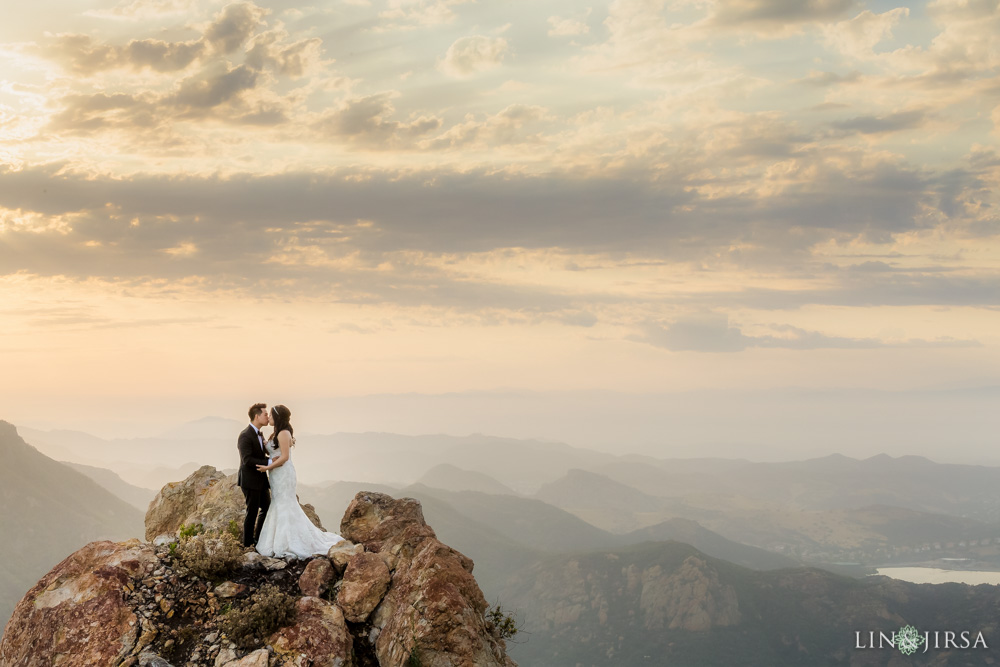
(501, 623)
(266, 611)
(210, 557)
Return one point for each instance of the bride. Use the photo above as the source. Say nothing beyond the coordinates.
(287, 531)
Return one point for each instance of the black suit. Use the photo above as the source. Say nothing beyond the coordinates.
(253, 483)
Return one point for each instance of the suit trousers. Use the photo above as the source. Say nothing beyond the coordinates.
(258, 500)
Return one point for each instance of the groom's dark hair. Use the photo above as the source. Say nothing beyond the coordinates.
(256, 409)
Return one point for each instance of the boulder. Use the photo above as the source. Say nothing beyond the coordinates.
(341, 552)
(383, 523)
(207, 497)
(78, 614)
(366, 580)
(178, 503)
(433, 606)
(319, 638)
(316, 577)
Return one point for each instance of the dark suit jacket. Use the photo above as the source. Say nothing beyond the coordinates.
(251, 455)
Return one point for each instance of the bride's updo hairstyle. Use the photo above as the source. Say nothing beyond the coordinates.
(280, 416)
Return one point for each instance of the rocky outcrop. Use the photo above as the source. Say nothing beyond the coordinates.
(78, 611)
(396, 595)
(690, 598)
(208, 497)
(433, 607)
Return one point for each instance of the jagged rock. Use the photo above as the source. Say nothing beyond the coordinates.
(207, 497)
(383, 523)
(432, 593)
(341, 552)
(316, 578)
(319, 638)
(259, 658)
(366, 580)
(78, 614)
(127, 604)
(177, 501)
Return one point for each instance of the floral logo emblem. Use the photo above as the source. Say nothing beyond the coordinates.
(908, 640)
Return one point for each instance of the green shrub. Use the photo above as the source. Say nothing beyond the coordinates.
(258, 618)
(234, 529)
(190, 530)
(210, 557)
(499, 622)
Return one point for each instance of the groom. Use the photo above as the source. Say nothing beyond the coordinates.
(253, 482)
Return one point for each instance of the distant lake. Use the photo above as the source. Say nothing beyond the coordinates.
(934, 575)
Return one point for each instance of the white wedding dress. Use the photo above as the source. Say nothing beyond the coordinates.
(287, 532)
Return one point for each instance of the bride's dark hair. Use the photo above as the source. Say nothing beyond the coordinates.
(281, 415)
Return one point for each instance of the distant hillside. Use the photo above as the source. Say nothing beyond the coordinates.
(452, 478)
(51, 510)
(830, 482)
(711, 543)
(666, 603)
(604, 502)
(136, 496)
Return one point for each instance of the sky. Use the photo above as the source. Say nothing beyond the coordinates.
(204, 204)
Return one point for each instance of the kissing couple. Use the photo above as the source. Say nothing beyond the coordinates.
(275, 523)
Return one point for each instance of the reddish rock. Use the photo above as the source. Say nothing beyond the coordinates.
(382, 523)
(319, 638)
(316, 577)
(341, 552)
(366, 580)
(78, 614)
(432, 593)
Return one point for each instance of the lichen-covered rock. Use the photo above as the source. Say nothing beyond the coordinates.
(319, 638)
(177, 502)
(207, 497)
(366, 580)
(432, 594)
(78, 615)
(383, 523)
(316, 578)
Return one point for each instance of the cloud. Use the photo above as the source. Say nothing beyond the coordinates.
(511, 125)
(234, 25)
(778, 12)
(858, 36)
(894, 122)
(470, 55)
(367, 121)
(200, 93)
(712, 332)
(568, 27)
(408, 14)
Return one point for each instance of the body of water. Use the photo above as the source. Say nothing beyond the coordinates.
(934, 575)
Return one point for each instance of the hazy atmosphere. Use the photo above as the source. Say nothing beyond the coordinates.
(429, 202)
